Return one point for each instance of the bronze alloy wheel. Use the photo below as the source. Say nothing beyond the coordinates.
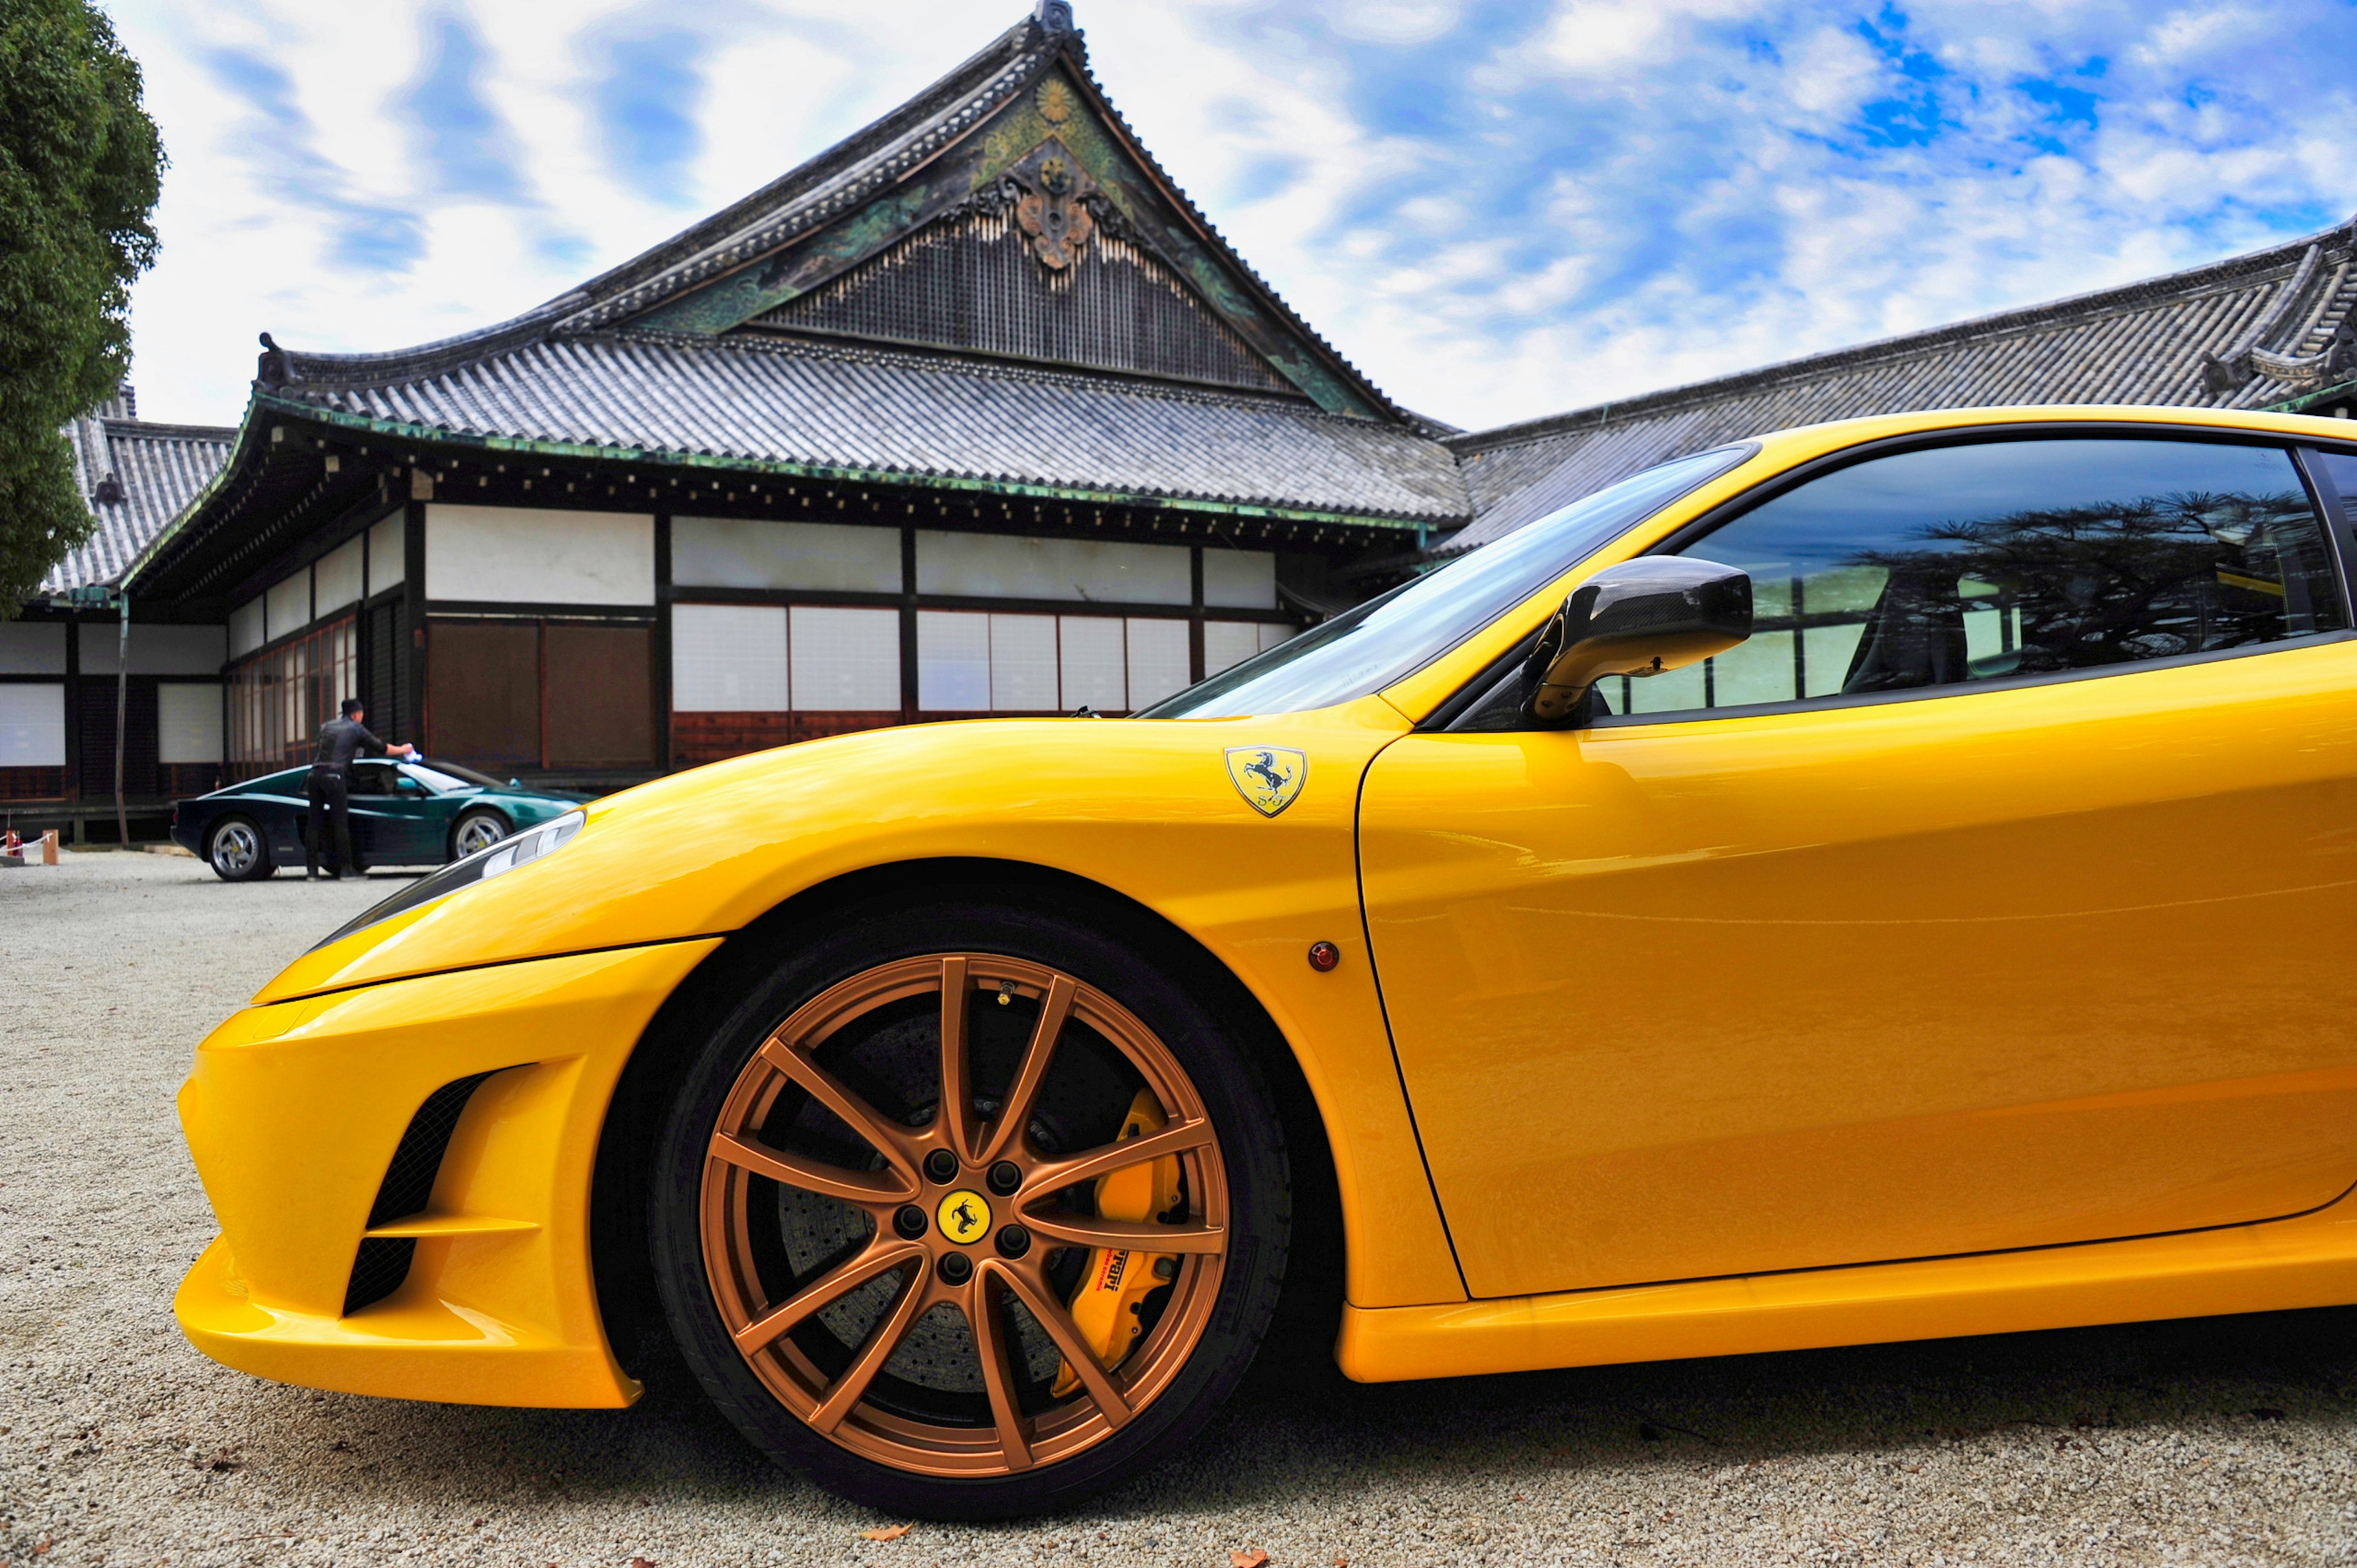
(898, 1202)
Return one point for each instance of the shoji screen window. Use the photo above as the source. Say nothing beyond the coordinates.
(728, 659)
(845, 661)
(1231, 642)
(975, 661)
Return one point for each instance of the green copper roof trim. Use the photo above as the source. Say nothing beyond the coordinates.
(2306, 400)
(296, 408)
(977, 163)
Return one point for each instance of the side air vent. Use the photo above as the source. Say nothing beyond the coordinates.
(408, 1186)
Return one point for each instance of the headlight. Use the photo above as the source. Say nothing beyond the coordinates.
(481, 865)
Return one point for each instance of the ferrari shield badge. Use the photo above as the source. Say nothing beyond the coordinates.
(1267, 776)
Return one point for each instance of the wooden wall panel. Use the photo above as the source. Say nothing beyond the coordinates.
(600, 696)
(483, 691)
(34, 783)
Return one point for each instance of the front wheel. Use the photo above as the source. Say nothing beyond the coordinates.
(477, 830)
(238, 852)
(970, 1212)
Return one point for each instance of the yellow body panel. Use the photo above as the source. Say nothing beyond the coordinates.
(1147, 809)
(548, 973)
(1997, 969)
(294, 1112)
(2307, 1261)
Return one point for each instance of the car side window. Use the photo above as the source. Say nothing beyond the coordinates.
(371, 779)
(1996, 559)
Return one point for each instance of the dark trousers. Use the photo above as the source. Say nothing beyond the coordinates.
(331, 814)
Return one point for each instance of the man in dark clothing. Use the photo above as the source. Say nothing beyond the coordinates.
(339, 740)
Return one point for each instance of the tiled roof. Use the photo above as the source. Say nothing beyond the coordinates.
(2208, 337)
(157, 468)
(758, 401)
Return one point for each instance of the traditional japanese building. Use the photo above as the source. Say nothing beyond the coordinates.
(974, 412)
(2274, 329)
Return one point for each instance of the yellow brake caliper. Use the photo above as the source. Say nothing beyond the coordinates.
(1106, 1308)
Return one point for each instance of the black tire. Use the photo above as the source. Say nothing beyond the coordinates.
(238, 850)
(473, 824)
(1102, 951)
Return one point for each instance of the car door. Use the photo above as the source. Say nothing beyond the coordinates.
(1998, 892)
(378, 830)
(417, 823)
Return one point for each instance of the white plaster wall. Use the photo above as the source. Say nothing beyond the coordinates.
(156, 650)
(337, 579)
(738, 552)
(527, 555)
(288, 605)
(1239, 579)
(388, 554)
(32, 649)
(248, 629)
(994, 565)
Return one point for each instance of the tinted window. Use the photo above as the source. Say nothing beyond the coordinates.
(1982, 562)
(1366, 649)
(2340, 473)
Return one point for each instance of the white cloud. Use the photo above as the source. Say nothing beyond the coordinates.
(1496, 221)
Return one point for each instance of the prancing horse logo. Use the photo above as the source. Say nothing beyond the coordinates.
(963, 1215)
(1270, 776)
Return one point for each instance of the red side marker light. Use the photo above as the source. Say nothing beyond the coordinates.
(1324, 956)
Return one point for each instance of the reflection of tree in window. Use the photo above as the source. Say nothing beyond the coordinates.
(1980, 561)
(2086, 586)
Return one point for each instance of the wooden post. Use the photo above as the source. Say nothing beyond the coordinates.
(413, 629)
(121, 703)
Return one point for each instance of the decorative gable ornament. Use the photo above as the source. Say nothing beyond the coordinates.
(1053, 206)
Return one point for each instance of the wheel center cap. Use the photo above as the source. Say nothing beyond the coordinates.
(963, 1216)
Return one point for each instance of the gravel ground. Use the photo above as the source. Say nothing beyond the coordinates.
(2214, 1440)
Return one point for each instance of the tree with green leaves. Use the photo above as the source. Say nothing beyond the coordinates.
(80, 164)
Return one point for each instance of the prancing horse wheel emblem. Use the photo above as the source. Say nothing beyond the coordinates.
(963, 1216)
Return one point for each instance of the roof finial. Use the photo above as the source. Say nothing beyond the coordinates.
(1054, 17)
(271, 369)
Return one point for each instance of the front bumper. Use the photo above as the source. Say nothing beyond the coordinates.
(294, 1112)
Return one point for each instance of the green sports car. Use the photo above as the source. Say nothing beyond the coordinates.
(404, 813)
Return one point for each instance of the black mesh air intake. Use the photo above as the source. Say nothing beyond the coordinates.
(408, 1186)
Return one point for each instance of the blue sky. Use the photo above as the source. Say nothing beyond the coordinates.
(1498, 210)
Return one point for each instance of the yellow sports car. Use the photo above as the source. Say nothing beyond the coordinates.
(1881, 880)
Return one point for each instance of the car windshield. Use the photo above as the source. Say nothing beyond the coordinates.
(442, 777)
(1365, 649)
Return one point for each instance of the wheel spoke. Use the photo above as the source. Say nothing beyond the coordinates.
(1043, 1305)
(957, 1090)
(1006, 1134)
(1110, 1157)
(810, 1176)
(990, 1345)
(879, 1256)
(823, 1087)
(846, 1390)
(1120, 1235)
